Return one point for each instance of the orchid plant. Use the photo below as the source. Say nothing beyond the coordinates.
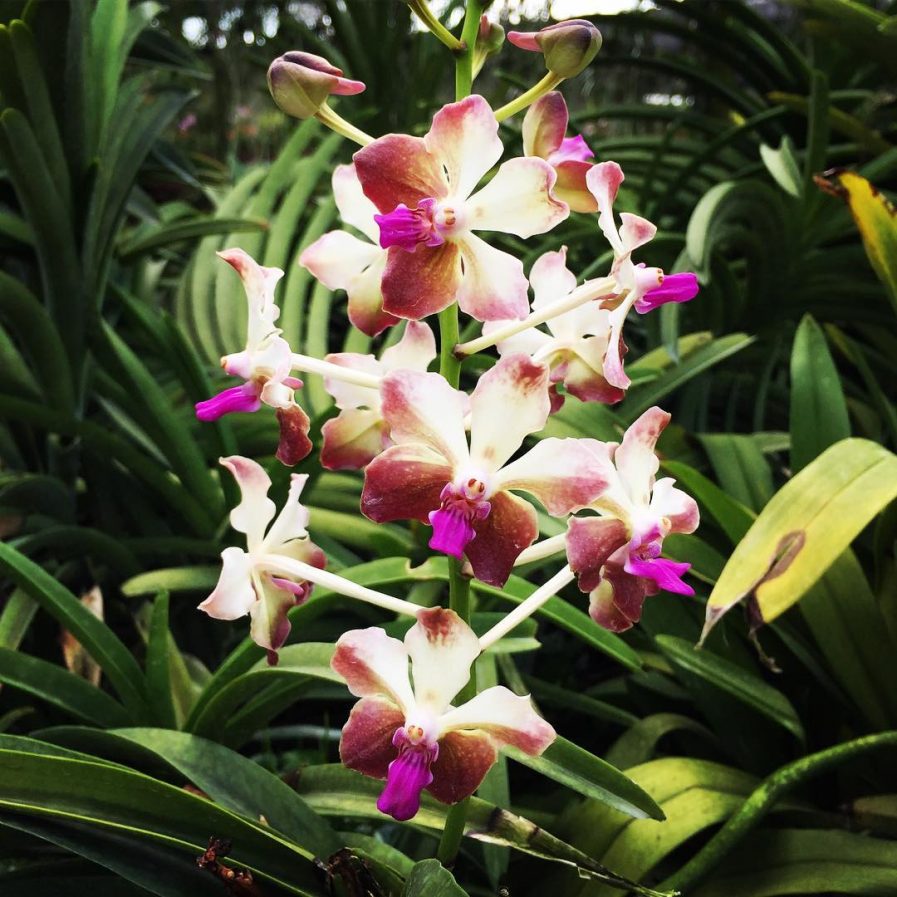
(447, 450)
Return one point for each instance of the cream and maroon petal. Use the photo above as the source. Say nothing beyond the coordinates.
(616, 604)
(255, 510)
(354, 207)
(616, 349)
(233, 596)
(413, 352)
(518, 200)
(338, 257)
(551, 280)
(270, 624)
(507, 718)
(493, 286)
(366, 743)
(583, 379)
(398, 169)
(258, 281)
(464, 138)
(635, 458)
(350, 395)
(404, 483)
(353, 439)
(510, 401)
(294, 443)
(463, 761)
(545, 125)
(292, 521)
(571, 186)
(564, 475)
(442, 648)
(421, 283)
(674, 504)
(635, 231)
(510, 527)
(422, 409)
(603, 181)
(590, 542)
(374, 665)
(365, 295)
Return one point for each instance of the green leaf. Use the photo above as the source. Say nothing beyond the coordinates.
(818, 409)
(429, 878)
(59, 687)
(334, 790)
(158, 677)
(146, 810)
(734, 680)
(740, 467)
(782, 165)
(96, 637)
(175, 232)
(582, 771)
(876, 220)
(638, 744)
(808, 523)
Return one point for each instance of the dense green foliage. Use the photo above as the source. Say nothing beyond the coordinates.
(768, 754)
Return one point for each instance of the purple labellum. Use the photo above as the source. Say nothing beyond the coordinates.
(572, 149)
(452, 531)
(407, 777)
(237, 398)
(408, 228)
(299, 590)
(667, 574)
(675, 288)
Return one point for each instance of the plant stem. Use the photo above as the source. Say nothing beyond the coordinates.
(422, 10)
(527, 608)
(450, 368)
(549, 81)
(309, 365)
(337, 123)
(586, 292)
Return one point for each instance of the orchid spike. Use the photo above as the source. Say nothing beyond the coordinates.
(249, 582)
(341, 261)
(264, 364)
(466, 492)
(545, 136)
(411, 735)
(639, 286)
(616, 555)
(575, 346)
(360, 433)
(424, 190)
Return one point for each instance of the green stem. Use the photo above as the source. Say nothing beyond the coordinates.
(549, 81)
(337, 123)
(450, 368)
(422, 10)
(761, 801)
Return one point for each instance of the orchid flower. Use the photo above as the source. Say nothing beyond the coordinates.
(359, 433)
(341, 261)
(264, 364)
(249, 581)
(616, 555)
(424, 189)
(576, 344)
(465, 492)
(412, 736)
(639, 286)
(544, 135)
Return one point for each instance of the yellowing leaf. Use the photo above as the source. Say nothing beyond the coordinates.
(807, 524)
(876, 220)
(77, 659)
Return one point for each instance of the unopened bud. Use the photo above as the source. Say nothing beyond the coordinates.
(490, 37)
(568, 47)
(301, 82)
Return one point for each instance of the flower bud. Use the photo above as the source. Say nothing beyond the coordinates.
(301, 82)
(568, 47)
(490, 37)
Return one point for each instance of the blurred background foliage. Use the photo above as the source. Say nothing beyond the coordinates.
(137, 139)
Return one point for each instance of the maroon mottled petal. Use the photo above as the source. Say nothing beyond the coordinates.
(404, 483)
(397, 169)
(421, 283)
(571, 187)
(352, 440)
(590, 542)
(294, 442)
(463, 761)
(510, 527)
(366, 743)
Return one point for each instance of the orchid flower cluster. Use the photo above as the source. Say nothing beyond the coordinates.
(415, 210)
